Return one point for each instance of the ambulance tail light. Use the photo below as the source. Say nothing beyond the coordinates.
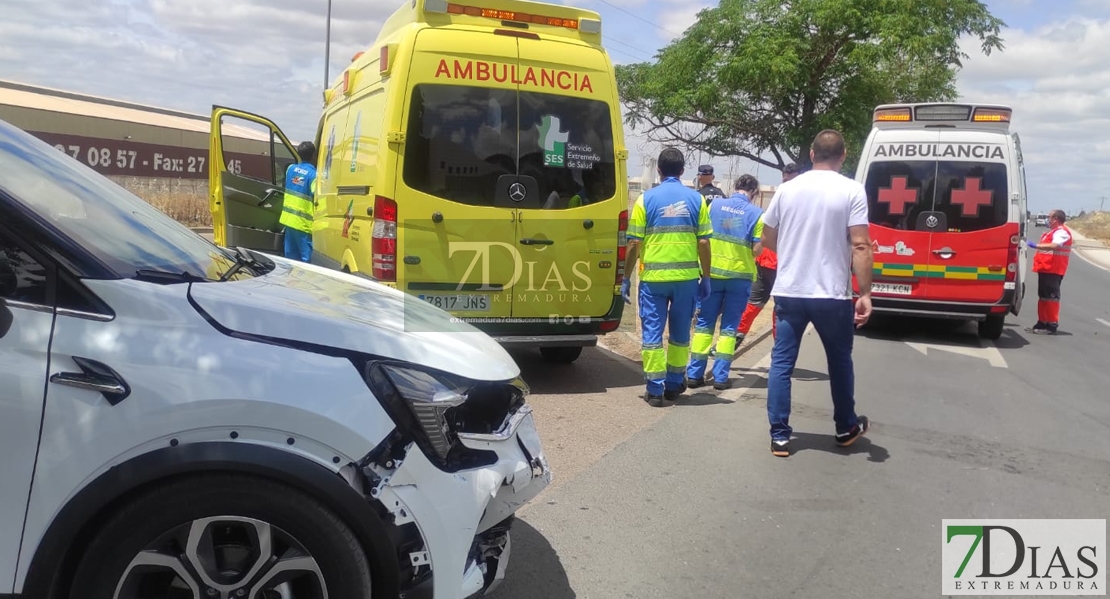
(992, 115)
(383, 245)
(1012, 259)
(893, 115)
(622, 246)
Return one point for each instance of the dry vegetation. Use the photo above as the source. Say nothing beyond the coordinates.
(188, 209)
(1095, 225)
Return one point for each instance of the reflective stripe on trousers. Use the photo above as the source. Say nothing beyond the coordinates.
(670, 305)
(725, 303)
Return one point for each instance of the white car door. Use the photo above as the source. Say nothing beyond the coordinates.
(24, 358)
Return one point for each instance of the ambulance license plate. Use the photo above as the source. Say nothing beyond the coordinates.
(891, 289)
(461, 302)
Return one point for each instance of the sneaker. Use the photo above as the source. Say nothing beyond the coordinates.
(860, 429)
(695, 383)
(655, 401)
(1040, 326)
(1048, 330)
(780, 449)
(723, 386)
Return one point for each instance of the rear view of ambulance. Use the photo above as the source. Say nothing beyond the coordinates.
(473, 158)
(947, 202)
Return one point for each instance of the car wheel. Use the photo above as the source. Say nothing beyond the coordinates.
(224, 537)
(992, 327)
(561, 355)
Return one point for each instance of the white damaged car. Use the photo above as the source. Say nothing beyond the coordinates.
(182, 420)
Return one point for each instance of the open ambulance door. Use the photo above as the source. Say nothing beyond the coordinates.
(248, 157)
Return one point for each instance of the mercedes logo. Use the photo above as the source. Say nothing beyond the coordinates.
(517, 192)
(932, 222)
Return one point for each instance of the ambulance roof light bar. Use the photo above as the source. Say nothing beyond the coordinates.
(443, 6)
(941, 112)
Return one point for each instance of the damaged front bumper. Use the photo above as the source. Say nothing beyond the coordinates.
(463, 518)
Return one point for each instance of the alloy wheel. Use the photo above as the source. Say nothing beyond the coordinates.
(223, 557)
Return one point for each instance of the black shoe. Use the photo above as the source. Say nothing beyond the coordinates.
(860, 429)
(695, 383)
(672, 394)
(1040, 326)
(1047, 330)
(723, 386)
(655, 401)
(780, 449)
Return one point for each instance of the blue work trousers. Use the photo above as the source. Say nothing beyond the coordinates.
(662, 303)
(835, 324)
(726, 303)
(298, 245)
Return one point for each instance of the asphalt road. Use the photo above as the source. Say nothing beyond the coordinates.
(693, 505)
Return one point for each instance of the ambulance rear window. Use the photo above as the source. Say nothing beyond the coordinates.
(972, 195)
(461, 139)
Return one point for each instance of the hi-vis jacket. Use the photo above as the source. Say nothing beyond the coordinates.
(737, 226)
(298, 206)
(1054, 261)
(670, 219)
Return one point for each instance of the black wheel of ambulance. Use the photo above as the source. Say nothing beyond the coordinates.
(561, 355)
(992, 327)
(223, 536)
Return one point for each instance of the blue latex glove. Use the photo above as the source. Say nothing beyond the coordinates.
(1032, 244)
(704, 289)
(626, 291)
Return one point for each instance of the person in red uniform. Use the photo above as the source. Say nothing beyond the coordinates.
(1051, 264)
(767, 264)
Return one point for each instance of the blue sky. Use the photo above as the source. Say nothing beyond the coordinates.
(266, 56)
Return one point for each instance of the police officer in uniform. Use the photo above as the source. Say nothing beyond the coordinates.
(737, 227)
(299, 204)
(705, 184)
(1051, 264)
(670, 225)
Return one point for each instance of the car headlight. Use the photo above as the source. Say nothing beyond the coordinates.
(434, 407)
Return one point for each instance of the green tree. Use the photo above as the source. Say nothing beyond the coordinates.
(753, 78)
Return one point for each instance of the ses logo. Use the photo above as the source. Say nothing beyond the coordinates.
(1024, 557)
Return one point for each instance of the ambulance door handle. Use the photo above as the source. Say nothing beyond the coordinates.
(537, 241)
(944, 251)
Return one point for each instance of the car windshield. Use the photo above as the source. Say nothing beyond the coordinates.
(122, 231)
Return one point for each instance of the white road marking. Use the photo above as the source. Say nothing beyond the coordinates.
(989, 353)
(1103, 322)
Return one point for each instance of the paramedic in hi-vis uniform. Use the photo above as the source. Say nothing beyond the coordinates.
(737, 227)
(299, 204)
(1051, 264)
(670, 226)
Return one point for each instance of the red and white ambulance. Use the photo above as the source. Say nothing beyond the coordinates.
(947, 202)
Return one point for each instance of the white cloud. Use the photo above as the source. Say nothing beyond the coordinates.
(1057, 79)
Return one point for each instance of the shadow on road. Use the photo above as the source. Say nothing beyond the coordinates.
(596, 371)
(800, 374)
(941, 331)
(814, 442)
(535, 570)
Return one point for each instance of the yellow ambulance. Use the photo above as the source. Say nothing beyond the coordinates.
(473, 158)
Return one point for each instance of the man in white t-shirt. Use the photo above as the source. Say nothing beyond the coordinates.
(817, 224)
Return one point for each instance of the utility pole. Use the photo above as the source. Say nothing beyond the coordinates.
(1102, 203)
(327, 51)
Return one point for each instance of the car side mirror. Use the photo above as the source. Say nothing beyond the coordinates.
(6, 318)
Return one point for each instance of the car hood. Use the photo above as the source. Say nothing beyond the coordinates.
(309, 304)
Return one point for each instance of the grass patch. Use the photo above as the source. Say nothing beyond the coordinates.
(1095, 225)
(188, 209)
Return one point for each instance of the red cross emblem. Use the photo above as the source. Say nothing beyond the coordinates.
(898, 196)
(971, 198)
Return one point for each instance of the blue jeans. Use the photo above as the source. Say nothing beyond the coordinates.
(298, 245)
(726, 302)
(662, 304)
(835, 324)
